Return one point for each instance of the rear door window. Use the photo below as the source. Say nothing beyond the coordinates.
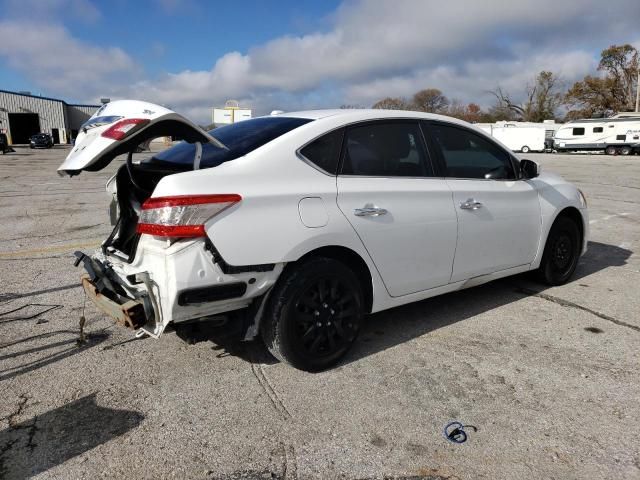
(386, 149)
(240, 139)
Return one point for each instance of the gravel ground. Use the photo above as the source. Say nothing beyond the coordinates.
(550, 377)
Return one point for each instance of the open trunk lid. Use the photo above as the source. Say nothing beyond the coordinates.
(119, 127)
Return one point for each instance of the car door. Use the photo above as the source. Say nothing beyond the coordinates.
(402, 213)
(498, 212)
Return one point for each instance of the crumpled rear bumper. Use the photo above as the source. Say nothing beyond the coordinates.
(132, 309)
(130, 313)
(174, 282)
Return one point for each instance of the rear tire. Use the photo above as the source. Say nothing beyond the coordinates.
(626, 150)
(314, 314)
(561, 252)
(525, 149)
(611, 150)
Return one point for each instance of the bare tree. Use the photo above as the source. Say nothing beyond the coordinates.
(504, 108)
(543, 97)
(470, 113)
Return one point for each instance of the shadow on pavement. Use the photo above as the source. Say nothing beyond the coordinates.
(34, 354)
(36, 445)
(226, 340)
(392, 327)
(600, 256)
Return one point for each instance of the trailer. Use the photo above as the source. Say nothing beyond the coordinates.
(523, 136)
(618, 135)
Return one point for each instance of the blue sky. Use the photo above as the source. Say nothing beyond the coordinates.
(156, 32)
(191, 55)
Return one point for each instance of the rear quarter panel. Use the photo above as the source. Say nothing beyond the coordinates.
(265, 227)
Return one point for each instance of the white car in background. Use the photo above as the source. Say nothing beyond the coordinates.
(298, 225)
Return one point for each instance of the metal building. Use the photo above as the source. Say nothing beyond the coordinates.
(23, 114)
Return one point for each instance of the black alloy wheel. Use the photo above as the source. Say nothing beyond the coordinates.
(315, 314)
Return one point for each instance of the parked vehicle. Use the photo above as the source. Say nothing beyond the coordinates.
(522, 137)
(298, 225)
(615, 135)
(4, 143)
(40, 140)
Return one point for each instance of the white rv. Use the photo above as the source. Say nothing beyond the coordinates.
(615, 135)
(522, 136)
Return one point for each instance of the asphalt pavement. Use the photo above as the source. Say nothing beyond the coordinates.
(550, 377)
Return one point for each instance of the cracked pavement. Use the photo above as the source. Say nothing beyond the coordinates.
(549, 376)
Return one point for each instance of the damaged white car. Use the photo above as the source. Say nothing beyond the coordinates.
(297, 225)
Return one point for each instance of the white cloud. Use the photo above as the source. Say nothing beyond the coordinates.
(372, 49)
(49, 55)
(379, 48)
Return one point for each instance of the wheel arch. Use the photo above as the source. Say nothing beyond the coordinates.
(349, 258)
(574, 214)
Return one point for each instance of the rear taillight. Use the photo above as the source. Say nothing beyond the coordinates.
(182, 216)
(125, 127)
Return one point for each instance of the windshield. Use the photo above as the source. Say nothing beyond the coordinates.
(240, 139)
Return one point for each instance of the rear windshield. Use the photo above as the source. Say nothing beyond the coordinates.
(241, 138)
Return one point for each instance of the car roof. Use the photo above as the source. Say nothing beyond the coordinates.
(357, 114)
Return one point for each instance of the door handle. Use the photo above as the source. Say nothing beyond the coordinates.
(369, 212)
(470, 204)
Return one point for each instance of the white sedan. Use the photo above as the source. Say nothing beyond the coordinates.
(296, 226)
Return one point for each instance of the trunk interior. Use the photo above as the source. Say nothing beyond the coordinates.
(135, 184)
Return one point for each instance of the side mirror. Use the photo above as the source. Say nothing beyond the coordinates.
(529, 168)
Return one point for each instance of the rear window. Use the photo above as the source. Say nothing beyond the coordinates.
(240, 138)
(324, 152)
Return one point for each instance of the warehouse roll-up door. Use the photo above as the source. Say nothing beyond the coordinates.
(22, 126)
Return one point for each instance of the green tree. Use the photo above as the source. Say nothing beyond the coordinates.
(615, 91)
(430, 100)
(395, 103)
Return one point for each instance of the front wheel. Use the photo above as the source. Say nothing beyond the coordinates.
(561, 252)
(611, 150)
(525, 149)
(314, 314)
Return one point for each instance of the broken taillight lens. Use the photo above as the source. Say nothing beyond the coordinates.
(182, 216)
(123, 128)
